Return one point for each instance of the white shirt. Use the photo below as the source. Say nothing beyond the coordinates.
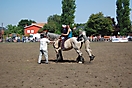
(43, 43)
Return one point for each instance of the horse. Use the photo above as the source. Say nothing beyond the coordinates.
(71, 43)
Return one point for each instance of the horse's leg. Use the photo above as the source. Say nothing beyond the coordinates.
(79, 59)
(59, 55)
(88, 50)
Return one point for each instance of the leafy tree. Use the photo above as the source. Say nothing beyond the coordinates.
(68, 10)
(98, 24)
(90, 31)
(131, 27)
(123, 16)
(40, 30)
(75, 32)
(50, 27)
(119, 13)
(13, 29)
(53, 24)
(78, 27)
(56, 18)
(114, 25)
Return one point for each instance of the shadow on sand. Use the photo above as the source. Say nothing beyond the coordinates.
(67, 61)
(64, 61)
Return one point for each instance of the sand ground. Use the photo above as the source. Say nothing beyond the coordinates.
(112, 67)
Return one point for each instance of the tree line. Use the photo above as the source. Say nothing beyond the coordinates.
(97, 24)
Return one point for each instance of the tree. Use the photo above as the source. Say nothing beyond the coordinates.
(51, 27)
(13, 29)
(123, 16)
(23, 23)
(98, 24)
(68, 10)
(53, 24)
(78, 27)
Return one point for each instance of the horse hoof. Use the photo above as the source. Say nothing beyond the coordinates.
(80, 59)
(92, 57)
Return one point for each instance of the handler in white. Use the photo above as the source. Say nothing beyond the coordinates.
(43, 48)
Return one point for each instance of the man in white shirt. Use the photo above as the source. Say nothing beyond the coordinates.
(43, 48)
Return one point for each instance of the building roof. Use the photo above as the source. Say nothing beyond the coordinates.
(36, 24)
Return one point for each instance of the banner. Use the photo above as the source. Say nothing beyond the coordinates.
(119, 39)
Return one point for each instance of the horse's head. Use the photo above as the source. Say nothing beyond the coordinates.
(52, 36)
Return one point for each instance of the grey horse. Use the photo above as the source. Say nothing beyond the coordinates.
(74, 42)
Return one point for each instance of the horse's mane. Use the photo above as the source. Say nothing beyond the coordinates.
(53, 36)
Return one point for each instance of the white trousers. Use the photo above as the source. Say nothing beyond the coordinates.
(45, 53)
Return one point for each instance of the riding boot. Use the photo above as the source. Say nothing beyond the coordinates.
(62, 44)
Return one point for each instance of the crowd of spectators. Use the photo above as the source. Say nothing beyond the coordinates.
(106, 38)
(23, 39)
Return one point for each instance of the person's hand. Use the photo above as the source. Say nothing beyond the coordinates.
(52, 42)
(60, 37)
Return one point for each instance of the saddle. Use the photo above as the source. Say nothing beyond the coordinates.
(62, 42)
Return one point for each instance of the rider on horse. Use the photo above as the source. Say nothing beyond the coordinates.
(67, 33)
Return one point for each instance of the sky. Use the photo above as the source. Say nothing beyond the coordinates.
(13, 11)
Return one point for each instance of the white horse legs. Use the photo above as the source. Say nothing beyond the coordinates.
(79, 52)
(79, 59)
(77, 49)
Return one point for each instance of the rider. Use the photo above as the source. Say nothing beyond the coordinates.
(67, 33)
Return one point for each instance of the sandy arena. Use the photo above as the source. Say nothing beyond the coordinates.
(112, 67)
